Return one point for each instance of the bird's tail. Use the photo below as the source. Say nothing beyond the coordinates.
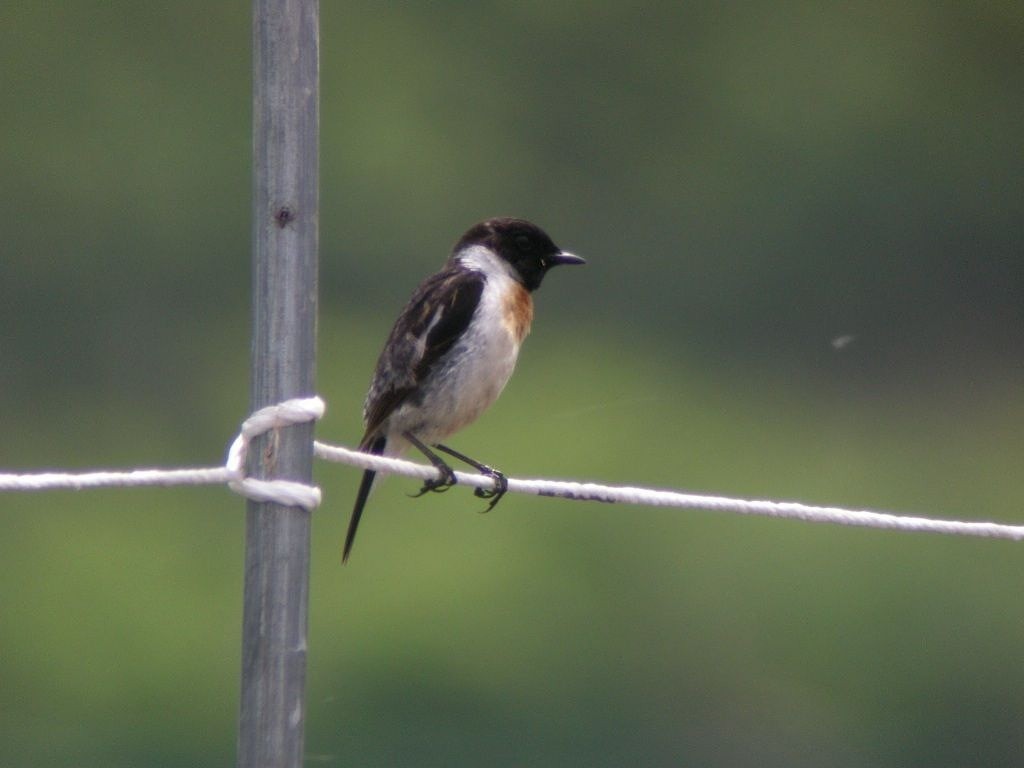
(375, 446)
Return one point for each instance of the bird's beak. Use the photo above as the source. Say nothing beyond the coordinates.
(564, 257)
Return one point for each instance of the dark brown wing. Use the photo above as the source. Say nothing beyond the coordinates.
(436, 315)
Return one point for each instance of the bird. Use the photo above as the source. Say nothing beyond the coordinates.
(452, 350)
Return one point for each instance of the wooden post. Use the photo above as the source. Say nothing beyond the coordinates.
(285, 242)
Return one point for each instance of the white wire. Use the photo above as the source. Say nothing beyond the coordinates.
(658, 498)
(291, 493)
(76, 481)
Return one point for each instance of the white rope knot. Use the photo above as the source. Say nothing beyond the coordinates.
(287, 492)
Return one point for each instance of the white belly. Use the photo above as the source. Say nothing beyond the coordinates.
(467, 380)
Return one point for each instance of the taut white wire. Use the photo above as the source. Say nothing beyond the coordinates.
(76, 481)
(298, 494)
(630, 495)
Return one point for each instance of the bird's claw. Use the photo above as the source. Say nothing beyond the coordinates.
(437, 484)
(495, 493)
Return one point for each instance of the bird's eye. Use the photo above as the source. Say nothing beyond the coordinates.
(523, 243)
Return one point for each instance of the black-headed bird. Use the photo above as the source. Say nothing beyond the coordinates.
(452, 350)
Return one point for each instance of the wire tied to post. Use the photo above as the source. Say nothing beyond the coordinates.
(286, 492)
(232, 473)
(291, 493)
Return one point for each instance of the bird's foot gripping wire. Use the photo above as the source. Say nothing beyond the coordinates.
(495, 493)
(500, 481)
(437, 484)
(446, 477)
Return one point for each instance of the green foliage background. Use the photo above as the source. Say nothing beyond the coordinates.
(748, 182)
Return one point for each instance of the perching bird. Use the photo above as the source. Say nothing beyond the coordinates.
(453, 348)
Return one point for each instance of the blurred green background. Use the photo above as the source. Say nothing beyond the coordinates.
(748, 183)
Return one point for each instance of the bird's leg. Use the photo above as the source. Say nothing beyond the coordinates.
(500, 481)
(439, 484)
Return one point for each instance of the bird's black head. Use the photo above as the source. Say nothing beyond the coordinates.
(525, 246)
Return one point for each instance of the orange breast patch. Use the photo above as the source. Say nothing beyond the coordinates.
(518, 308)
